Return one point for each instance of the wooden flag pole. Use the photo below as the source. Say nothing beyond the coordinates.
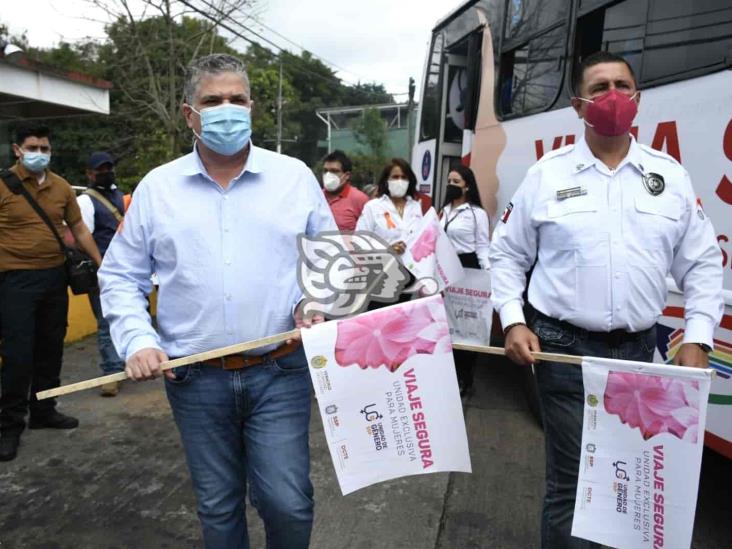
(551, 357)
(263, 342)
(167, 365)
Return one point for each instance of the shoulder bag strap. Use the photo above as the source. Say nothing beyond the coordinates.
(451, 219)
(106, 203)
(16, 187)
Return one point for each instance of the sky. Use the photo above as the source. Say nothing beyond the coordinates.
(382, 41)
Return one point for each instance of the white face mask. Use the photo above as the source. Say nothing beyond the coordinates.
(331, 181)
(398, 187)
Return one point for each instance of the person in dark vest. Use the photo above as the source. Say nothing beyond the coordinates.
(102, 208)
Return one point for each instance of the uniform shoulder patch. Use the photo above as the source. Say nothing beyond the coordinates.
(507, 212)
(700, 209)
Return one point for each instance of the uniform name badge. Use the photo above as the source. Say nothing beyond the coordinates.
(563, 194)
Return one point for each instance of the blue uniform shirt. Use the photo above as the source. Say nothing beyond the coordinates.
(226, 259)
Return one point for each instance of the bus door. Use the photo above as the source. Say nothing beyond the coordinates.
(452, 121)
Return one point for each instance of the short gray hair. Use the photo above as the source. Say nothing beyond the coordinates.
(216, 63)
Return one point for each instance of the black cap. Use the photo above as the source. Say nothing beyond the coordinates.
(98, 158)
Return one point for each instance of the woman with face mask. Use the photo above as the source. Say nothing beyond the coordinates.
(464, 219)
(395, 212)
(466, 225)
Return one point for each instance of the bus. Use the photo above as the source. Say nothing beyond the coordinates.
(496, 96)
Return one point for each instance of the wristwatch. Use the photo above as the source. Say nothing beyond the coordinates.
(508, 328)
(704, 347)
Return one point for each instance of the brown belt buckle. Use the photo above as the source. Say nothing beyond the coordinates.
(237, 362)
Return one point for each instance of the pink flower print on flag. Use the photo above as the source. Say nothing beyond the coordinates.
(425, 245)
(654, 404)
(389, 337)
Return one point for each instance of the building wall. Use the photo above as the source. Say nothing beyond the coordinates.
(345, 140)
(397, 139)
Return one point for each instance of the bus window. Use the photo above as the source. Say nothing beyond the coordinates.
(619, 29)
(527, 17)
(663, 41)
(430, 122)
(686, 39)
(531, 74)
(457, 98)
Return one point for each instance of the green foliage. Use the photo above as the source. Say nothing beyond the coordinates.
(17, 39)
(371, 132)
(367, 94)
(81, 58)
(366, 169)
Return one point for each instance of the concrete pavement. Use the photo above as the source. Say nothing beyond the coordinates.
(120, 481)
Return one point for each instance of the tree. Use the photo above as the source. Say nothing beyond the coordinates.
(145, 56)
(317, 87)
(366, 94)
(149, 56)
(370, 131)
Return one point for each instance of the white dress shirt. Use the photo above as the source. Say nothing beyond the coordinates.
(468, 230)
(380, 216)
(602, 255)
(226, 259)
(87, 211)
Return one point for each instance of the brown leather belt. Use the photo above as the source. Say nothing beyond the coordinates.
(237, 362)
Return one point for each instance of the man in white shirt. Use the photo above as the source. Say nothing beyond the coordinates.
(602, 222)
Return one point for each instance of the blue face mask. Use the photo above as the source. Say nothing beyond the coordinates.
(35, 161)
(225, 129)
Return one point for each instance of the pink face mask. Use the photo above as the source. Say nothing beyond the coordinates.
(611, 114)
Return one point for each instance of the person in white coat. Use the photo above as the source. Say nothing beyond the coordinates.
(395, 213)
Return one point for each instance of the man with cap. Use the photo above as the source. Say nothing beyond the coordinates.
(102, 208)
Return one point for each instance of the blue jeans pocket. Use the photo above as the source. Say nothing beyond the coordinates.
(183, 375)
(648, 342)
(293, 363)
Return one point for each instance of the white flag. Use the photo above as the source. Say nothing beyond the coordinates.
(469, 308)
(387, 393)
(430, 255)
(642, 442)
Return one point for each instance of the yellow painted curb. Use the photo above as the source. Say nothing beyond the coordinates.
(81, 321)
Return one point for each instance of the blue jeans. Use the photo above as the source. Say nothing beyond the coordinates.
(248, 427)
(561, 397)
(111, 362)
